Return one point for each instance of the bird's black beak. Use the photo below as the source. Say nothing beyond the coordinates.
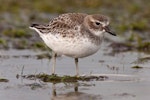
(106, 28)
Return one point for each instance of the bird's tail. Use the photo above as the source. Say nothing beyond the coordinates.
(40, 28)
(34, 25)
(37, 26)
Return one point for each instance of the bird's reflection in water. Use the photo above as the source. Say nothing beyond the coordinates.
(74, 95)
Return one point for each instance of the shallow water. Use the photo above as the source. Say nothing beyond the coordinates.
(123, 83)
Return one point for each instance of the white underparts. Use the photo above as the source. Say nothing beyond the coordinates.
(73, 47)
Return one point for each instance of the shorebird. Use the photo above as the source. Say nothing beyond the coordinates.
(76, 35)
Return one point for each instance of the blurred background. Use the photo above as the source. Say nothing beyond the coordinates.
(130, 19)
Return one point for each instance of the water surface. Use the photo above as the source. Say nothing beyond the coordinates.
(123, 83)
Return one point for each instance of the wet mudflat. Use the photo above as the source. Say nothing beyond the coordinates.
(124, 81)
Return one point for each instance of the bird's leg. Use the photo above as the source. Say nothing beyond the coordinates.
(76, 87)
(54, 55)
(77, 68)
(54, 90)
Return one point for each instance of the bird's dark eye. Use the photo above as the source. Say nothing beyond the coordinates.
(97, 23)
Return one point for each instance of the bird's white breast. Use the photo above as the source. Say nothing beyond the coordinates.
(76, 47)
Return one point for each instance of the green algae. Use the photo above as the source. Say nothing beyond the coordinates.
(4, 80)
(137, 67)
(66, 78)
